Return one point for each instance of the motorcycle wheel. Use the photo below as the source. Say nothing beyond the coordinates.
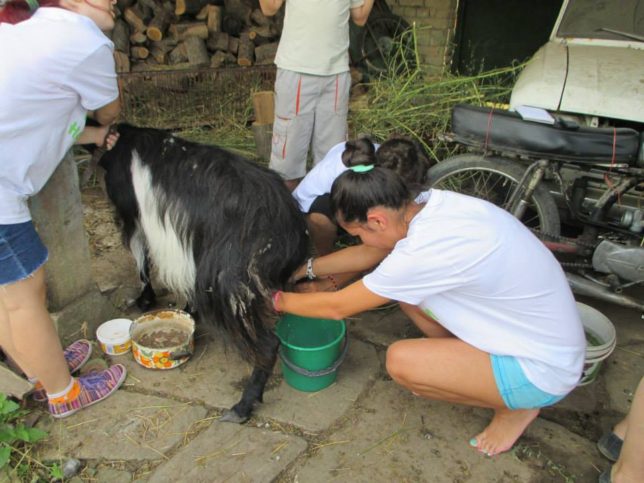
(493, 179)
(381, 44)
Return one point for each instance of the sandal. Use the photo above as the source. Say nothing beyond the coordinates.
(610, 445)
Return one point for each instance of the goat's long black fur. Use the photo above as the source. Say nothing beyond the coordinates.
(234, 218)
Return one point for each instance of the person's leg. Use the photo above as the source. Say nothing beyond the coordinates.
(292, 127)
(331, 114)
(28, 335)
(323, 233)
(428, 326)
(629, 467)
(448, 369)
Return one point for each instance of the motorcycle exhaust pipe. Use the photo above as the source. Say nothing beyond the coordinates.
(583, 286)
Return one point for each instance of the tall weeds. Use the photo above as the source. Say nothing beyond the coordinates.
(406, 100)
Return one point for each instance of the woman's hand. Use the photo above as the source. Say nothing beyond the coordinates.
(107, 137)
(298, 274)
(110, 139)
(102, 136)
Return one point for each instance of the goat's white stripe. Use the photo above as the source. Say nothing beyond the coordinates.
(170, 254)
(137, 247)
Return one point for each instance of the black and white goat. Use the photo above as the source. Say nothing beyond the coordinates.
(222, 231)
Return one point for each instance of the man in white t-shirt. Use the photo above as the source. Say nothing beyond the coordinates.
(502, 327)
(313, 81)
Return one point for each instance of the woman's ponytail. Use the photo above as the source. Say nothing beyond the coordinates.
(359, 151)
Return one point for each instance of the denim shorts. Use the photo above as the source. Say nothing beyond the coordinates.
(21, 252)
(515, 388)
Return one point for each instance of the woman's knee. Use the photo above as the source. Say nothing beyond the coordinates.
(320, 221)
(397, 361)
(27, 293)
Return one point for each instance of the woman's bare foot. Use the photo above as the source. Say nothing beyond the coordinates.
(620, 429)
(504, 429)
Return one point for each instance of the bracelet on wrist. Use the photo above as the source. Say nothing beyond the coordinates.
(276, 300)
(309, 269)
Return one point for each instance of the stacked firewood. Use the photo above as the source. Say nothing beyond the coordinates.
(162, 34)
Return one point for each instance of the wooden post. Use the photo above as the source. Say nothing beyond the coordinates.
(264, 106)
(263, 134)
(122, 61)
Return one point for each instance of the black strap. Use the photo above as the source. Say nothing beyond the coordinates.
(321, 372)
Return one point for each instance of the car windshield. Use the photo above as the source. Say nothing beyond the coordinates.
(603, 19)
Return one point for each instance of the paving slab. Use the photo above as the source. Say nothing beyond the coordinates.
(394, 436)
(215, 375)
(316, 411)
(126, 426)
(231, 452)
(382, 326)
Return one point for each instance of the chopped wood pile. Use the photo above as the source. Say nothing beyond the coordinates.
(173, 34)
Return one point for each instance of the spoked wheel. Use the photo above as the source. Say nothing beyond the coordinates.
(494, 180)
(381, 43)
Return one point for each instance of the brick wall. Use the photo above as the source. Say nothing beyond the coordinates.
(435, 20)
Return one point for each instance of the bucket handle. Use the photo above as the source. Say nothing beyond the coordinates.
(321, 372)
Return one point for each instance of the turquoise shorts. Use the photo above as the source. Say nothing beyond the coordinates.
(515, 388)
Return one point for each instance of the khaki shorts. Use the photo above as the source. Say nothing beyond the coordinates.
(311, 111)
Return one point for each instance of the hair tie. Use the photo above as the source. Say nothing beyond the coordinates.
(362, 168)
(33, 5)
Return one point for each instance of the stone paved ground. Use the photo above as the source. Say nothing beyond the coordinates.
(163, 425)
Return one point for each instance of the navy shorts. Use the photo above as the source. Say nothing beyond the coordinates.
(21, 252)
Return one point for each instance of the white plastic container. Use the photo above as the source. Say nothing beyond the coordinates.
(598, 327)
(114, 336)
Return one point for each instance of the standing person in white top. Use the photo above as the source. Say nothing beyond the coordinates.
(57, 66)
(313, 80)
(501, 324)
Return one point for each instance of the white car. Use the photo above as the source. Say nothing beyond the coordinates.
(592, 66)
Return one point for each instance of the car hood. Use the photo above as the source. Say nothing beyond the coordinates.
(584, 79)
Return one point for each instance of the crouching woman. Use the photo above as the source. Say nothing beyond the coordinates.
(501, 325)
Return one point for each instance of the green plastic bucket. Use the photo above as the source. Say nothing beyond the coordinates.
(311, 351)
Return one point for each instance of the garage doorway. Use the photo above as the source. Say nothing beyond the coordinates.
(496, 33)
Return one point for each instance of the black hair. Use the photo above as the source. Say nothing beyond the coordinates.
(359, 151)
(353, 194)
(408, 159)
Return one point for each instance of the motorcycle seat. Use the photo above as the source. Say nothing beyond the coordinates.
(502, 130)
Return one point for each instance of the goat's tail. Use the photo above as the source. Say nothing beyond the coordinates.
(238, 298)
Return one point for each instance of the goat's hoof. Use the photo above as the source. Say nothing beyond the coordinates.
(230, 416)
(145, 304)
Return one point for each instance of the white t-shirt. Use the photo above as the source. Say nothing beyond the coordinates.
(315, 36)
(486, 278)
(319, 180)
(54, 67)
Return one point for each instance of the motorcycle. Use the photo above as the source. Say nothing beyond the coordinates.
(580, 189)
